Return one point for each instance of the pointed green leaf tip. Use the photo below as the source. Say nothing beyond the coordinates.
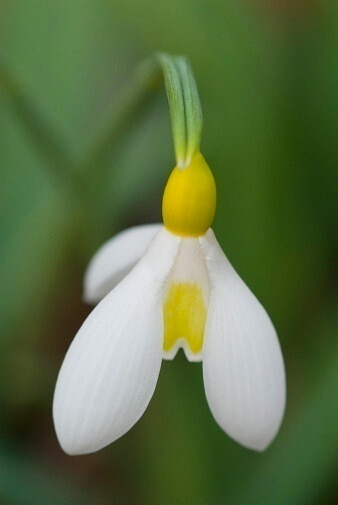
(185, 106)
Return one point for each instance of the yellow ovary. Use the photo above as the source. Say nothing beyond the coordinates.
(185, 316)
(189, 199)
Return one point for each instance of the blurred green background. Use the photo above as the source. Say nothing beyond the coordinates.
(97, 162)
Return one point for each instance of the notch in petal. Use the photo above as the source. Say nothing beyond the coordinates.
(243, 367)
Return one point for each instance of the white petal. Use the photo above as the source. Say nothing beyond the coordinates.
(189, 268)
(243, 367)
(110, 371)
(114, 260)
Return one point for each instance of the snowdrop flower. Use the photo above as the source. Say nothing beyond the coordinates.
(178, 290)
(161, 288)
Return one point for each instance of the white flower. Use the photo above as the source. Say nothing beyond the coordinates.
(178, 291)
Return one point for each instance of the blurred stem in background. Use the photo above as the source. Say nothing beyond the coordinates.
(185, 109)
(41, 133)
(121, 112)
(124, 108)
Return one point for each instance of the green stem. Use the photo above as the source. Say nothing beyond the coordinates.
(175, 96)
(185, 106)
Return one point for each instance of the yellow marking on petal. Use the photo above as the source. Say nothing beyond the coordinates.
(185, 316)
(189, 200)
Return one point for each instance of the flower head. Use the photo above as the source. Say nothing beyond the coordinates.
(161, 288)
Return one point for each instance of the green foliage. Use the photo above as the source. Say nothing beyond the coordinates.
(85, 150)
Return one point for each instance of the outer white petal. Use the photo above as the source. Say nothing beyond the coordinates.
(114, 260)
(110, 371)
(243, 367)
